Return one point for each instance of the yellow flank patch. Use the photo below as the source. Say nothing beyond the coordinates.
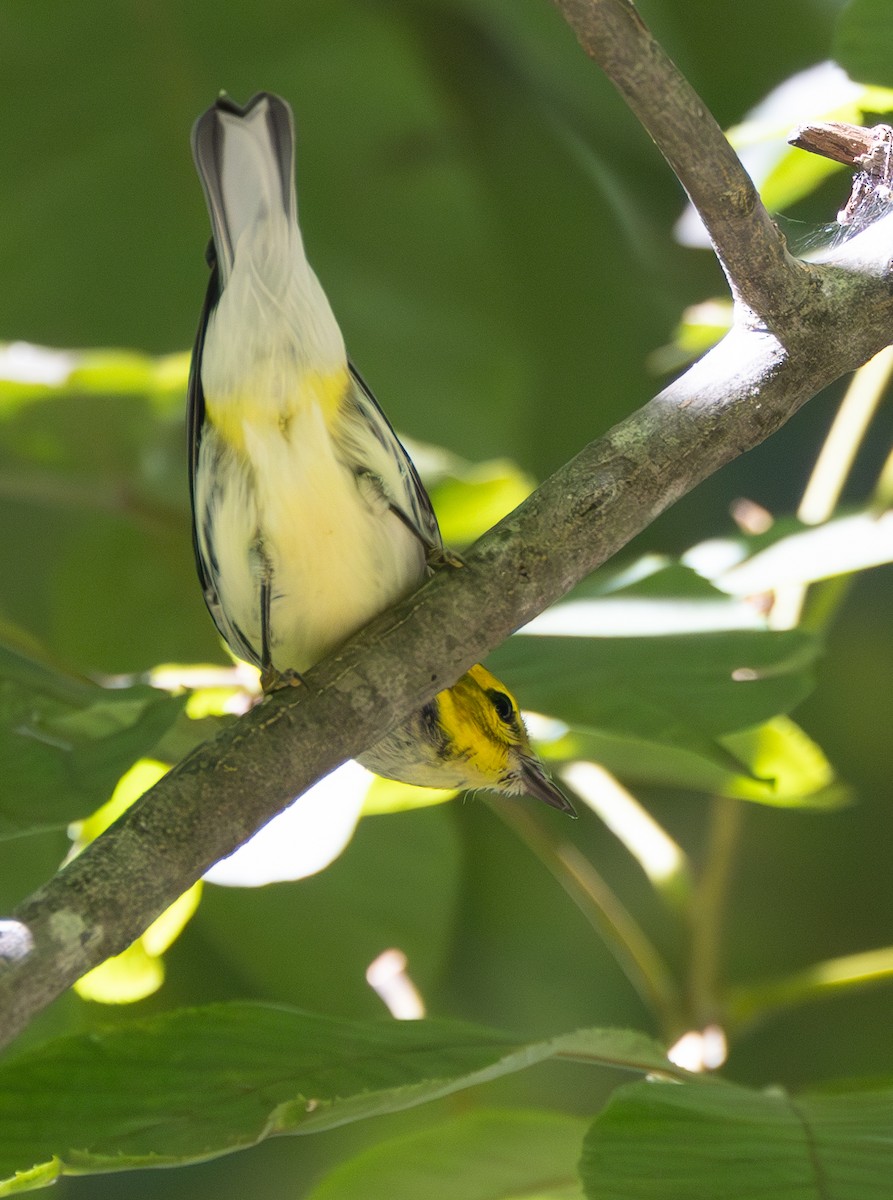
(327, 389)
(263, 410)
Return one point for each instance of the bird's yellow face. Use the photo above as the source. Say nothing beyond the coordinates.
(482, 723)
(469, 736)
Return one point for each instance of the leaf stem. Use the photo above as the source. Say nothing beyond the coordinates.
(847, 432)
(636, 955)
(708, 912)
(820, 981)
(815, 607)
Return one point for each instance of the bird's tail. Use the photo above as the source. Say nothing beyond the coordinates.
(245, 159)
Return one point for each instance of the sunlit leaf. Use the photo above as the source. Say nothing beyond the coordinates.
(783, 174)
(129, 976)
(658, 654)
(303, 839)
(468, 504)
(797, 174)
(29, 372)
(390, 796)
(789, 768)
(142, 775)
(838, 547)
(819, 981)
(786, 767)
(701, 327)
(138, 971)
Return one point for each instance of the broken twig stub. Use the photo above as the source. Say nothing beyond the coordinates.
(869, 151)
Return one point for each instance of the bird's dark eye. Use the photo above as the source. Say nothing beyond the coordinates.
(505, 710)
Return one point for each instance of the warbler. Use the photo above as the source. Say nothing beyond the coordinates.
(309, 517)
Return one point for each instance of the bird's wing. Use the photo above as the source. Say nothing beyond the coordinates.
(202, 539)
(400, 483)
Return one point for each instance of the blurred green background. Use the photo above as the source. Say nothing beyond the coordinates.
(495, 233)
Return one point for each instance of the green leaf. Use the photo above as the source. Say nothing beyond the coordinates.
(139, 971)
(95, 503)
(197, 1083)
(475, 497)
(655, 1141)
(787, 769)
(658, 654)
(863, 40)
(31, 373)
(391, 796)
(678, 689)
(785, 174)
(65, 741)
(488, 1155)
(798, 174)
(819, 981)
(656, 595)
(701, 326)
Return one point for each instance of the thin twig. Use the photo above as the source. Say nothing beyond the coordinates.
(869, 150)
(837, 140)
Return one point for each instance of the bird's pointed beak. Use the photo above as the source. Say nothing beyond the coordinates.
(535, 782)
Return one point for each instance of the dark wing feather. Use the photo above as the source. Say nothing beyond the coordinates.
(420, 517)
(195, 423)
(195, 415)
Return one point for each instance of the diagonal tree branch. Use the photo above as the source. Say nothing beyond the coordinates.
(732, 400)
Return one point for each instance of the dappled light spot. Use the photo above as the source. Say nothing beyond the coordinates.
(750, 517)
(700, 1049)
(659, 856)
(304, 839)
(16, 941)
(23, 362)
(635, 616)
(388, 978)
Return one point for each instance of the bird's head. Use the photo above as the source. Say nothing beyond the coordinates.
(470, 735)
